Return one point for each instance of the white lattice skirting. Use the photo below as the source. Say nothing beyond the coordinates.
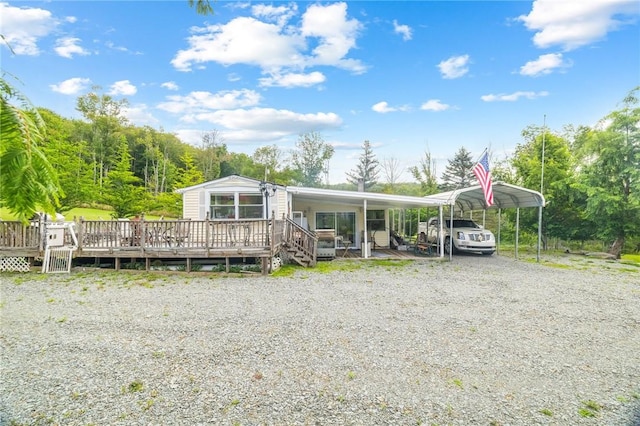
(14, 264)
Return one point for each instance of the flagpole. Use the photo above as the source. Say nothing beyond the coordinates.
(544, 131)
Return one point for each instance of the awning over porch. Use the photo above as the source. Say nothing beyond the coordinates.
(372, 200)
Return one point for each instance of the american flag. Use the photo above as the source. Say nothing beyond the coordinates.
(482, 172)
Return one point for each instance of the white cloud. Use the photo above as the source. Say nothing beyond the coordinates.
(572, 24)
(434, 105)
(279, 14)
(383, 108)
(170, 85)
(123, 87)
(404, 30)
(513, 96)
(454, 67)
(72, 86)
(23, 27)
(336, 35)
(271, 121)
(272, 44)
(293, 80)
(140, 115)
(545, 64)
(68, 46)
(196, 102)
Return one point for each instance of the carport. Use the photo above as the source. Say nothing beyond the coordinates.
(505, 196)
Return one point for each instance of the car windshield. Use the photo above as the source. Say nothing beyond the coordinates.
(463, 223)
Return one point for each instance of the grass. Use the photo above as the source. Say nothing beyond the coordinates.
(84, 212)
(589, 409)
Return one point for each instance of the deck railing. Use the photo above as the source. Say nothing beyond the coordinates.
(20, 236)
(111, 235)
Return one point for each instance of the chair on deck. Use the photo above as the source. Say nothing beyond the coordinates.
(422, 246)
(181, 232)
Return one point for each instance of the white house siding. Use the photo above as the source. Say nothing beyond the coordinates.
(196, 201)
(190, 204)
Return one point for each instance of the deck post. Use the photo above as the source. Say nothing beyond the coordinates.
(147, 264)
(188, 264)
(226, 261)
(117, 263)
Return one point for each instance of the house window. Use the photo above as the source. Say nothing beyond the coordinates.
(236, 206)
(375, 220)
(343, 222)
(250, 206)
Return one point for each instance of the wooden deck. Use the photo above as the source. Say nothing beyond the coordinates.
(149, 240)
(178, 240)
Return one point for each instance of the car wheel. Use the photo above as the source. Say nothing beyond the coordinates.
(447, 242)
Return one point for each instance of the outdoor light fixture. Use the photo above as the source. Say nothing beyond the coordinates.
(268, 190)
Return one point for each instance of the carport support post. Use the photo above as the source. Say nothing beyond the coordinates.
(499, 227)
(517, 229)
(539, 233)
(366, 240)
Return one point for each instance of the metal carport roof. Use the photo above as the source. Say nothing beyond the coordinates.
(504, 196)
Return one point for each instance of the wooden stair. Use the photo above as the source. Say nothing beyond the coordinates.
(300, 244)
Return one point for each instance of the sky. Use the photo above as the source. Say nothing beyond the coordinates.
(410, 77)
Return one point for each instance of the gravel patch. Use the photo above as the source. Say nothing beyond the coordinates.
(480, 340)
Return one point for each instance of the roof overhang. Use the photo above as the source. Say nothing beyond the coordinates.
(504, 196)
(374, 200)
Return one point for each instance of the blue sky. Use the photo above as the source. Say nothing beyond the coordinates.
(408, 76)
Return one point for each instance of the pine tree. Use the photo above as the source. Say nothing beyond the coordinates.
(122, 188)
(459, 172)
(367, 169)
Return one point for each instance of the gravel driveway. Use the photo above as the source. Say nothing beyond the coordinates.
(477, 341)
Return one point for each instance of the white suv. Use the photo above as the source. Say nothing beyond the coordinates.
(468, 236)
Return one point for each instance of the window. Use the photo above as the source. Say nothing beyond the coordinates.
(344, 223)
(222, 206)
(236, 206)
(250, 206)
(375, 220)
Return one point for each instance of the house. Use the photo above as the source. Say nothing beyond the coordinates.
(356, 219)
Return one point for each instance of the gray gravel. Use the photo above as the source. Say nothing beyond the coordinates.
(477, 341)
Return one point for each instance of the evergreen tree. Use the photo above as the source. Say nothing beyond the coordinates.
(122, 188)
(459, 171)
(367, 168)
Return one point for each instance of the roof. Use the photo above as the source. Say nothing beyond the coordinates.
(504, 196)
(374, 199)
(231, 179)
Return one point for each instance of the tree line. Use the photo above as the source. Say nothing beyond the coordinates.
(591, 174)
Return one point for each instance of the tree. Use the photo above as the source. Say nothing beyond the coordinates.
(425, 174)
(122, 191)
(65, 151)
(562, 215)
(106, 118)
(459, 171)
(611, 175)
(310, 158)
(391, 172)
(270, 157)
(213, 153)
(28, 182)
(203, 7)
(366, 170)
